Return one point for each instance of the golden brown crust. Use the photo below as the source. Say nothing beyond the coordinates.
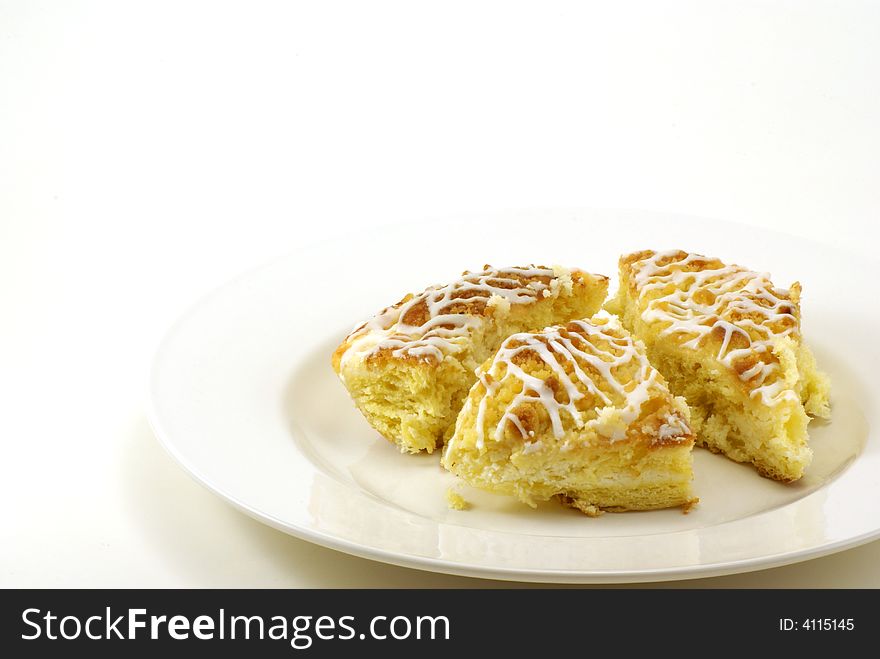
(736, 313)
(411, 321)
(592, 510)
(586, 508)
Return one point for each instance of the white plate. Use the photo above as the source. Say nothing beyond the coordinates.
(243, 396)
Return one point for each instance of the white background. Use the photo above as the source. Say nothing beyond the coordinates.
(151, 151)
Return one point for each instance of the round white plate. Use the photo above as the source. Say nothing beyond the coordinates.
(243, 396)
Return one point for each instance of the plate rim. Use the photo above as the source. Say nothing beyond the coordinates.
(530, 575)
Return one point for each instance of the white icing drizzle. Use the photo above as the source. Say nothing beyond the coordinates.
(674, 426)
(592, 351)
(732, 295)
(442, 333)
